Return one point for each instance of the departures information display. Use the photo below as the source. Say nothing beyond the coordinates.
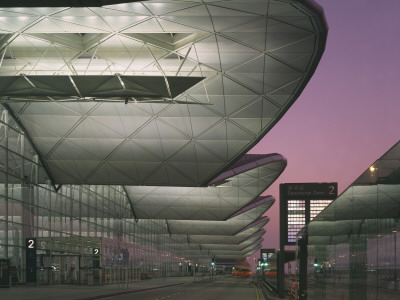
(300, 203)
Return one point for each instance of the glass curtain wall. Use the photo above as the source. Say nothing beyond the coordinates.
(85, 234)
(354, 244)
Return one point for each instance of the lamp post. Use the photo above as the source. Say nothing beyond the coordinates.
(212, 268)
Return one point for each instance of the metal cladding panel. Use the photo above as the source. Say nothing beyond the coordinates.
(255, 57)
(219, 202)
(228, 227)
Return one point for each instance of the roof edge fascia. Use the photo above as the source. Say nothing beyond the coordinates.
(320, 22)
(253, 204)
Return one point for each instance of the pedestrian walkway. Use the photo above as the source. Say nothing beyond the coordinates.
(79, 292)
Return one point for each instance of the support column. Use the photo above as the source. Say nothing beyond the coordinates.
(303, 255)
(282, 236)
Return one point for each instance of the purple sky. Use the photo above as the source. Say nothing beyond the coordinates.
(349, 113)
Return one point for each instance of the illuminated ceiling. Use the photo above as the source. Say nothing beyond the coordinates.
(255, 57)
(165, 98)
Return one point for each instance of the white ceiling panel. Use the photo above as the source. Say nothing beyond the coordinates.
(253, 58)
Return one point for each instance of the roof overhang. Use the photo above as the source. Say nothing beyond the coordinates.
(229, 227)
(371, 202)
(215, 202)
(256, 58)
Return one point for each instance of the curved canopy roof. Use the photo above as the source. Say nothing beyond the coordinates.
(220, 250)
(261, 169)
(252, 175)
(227, 253)
(248, 222)
(191, 246)
(371, 202)
(238, 247)
(228, 227)
(218, 239)
(252, 229)
(255, 56)
(225, 246)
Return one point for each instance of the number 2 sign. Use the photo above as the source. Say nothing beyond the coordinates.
(31, 243)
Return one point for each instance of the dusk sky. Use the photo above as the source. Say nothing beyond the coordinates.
(349, 113)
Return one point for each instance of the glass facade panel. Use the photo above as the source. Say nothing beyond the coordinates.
(353, 245)
(72, 222)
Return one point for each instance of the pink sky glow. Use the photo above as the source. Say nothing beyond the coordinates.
(349, 113)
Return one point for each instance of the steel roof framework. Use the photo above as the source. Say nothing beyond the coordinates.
(245, 65)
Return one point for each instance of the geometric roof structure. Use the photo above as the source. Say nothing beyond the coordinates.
(250, 176)
(258, 206)
(240, 246)
(229, 70)
(210, 227)
(240, 236)
(225, 246)
(229, 227)
(220, 246)
(244, 249)
(165, 98)
(223, 254)
(244, 181)
(236, 248)
(224, 230)
(371, 202)
(218, 239)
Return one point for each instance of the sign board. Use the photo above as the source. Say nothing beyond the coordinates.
(31, 246)
(96, 251)
(300, 203)
(266, 254)
(320, 191)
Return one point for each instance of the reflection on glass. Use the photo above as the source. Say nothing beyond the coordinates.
(353, 245)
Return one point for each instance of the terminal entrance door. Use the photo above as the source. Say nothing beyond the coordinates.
(58, 268)
(68, 260)
(68, 269)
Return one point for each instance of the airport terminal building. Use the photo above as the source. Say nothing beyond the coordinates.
(124, 130)
(354, 244)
